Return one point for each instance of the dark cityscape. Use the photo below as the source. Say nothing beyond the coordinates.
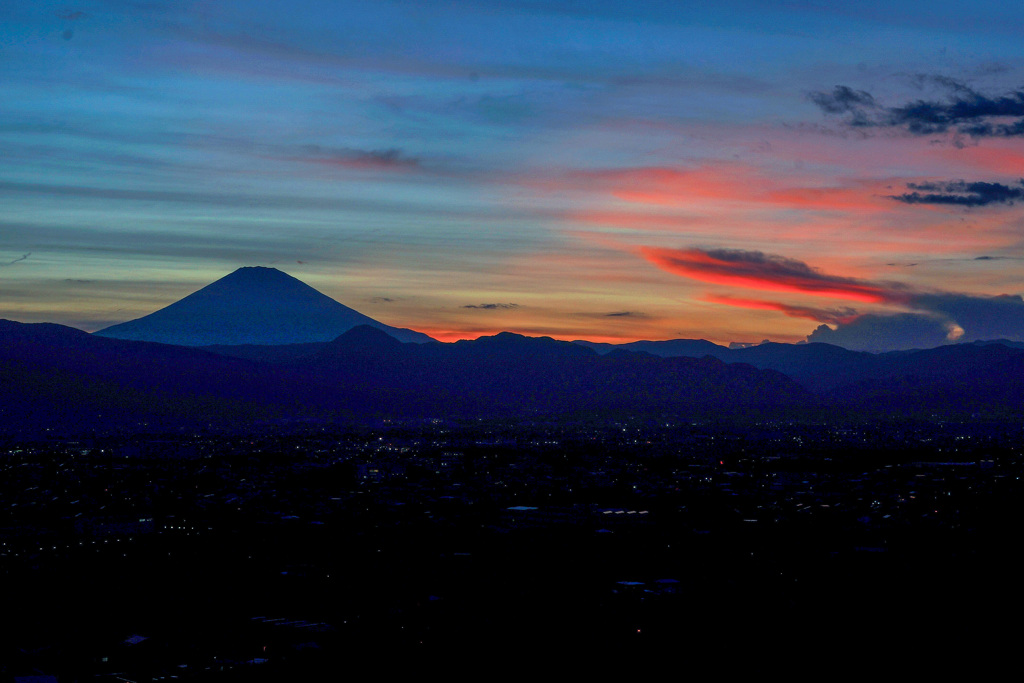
(277, 556)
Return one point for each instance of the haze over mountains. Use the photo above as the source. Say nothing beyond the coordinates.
(270, 354)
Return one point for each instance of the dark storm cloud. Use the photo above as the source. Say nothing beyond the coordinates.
(625, 314)
(491, 307)
(963, 110)
(981, 317)
(941, 317)
(962, 193)
(879, 332)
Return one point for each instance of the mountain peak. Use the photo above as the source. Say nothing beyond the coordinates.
(252, 305)
(265, 273)
(260, 276)
(256, 269)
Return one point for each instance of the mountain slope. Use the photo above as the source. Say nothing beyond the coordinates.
(60, 378)
(253, 305)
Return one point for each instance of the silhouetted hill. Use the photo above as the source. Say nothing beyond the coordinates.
(56, 377)
(361, 339)
(508, 345)
(818, 367)
(824, 368)
(251, 306)
(961, 378)
(1004, 342)
(61, 376)
(512, 374)
(693, 348)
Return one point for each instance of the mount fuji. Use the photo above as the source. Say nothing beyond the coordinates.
(252, 305)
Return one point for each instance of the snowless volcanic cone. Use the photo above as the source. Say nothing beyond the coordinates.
(253, 305)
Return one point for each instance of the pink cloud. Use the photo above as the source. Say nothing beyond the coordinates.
(727, 183)
(754, 269)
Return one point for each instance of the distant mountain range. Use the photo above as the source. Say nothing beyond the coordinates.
(958, 378)
(62, 378)
(822, 367)
(259, 346)
(253, 305)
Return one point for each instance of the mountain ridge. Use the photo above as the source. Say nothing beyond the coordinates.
(58, 376)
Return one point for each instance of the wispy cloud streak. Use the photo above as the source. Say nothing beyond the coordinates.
(492, 307)
(17, 260)
(358, 159)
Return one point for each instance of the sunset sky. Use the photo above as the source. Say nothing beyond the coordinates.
(598, 170)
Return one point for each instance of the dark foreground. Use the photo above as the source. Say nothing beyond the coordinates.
(429, 547)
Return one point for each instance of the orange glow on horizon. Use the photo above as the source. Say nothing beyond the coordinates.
(449, 336)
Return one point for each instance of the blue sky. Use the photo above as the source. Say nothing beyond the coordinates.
(594, 167)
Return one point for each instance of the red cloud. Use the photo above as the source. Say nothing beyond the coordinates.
(821, 315)
(756, 270)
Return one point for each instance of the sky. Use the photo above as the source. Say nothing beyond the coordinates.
(851, 173)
